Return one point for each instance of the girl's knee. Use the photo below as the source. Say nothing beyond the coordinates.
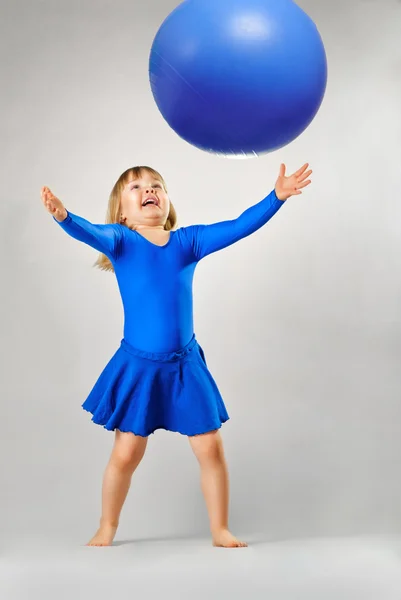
(128, 450)
(208, 447)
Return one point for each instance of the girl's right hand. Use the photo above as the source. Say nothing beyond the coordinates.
(53, 205)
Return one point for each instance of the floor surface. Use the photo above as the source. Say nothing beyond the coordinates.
(323, 569)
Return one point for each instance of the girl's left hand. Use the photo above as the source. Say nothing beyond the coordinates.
(292, 185)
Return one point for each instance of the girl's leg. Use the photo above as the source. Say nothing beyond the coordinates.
(126, 455)
(208, 449)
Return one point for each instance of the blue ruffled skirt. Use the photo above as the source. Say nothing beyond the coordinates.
(141, 392)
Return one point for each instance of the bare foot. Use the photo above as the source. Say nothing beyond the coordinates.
(104, 536)
(225, 539)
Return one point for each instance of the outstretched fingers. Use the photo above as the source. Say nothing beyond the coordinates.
(304, 176)
(299, 186)
(301, 171)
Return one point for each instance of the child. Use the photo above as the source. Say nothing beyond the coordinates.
(158, 377)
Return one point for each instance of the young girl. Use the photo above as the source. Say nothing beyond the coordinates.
(158, 378)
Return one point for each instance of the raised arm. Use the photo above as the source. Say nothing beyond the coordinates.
(107, 238)
(206, 239)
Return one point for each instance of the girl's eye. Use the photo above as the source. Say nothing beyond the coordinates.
(157, 185)
(136, 186)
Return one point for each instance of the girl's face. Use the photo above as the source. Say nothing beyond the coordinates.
(145, 202)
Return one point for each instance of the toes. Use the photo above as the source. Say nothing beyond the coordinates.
(229, 542)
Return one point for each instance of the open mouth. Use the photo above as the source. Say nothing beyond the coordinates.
(151, 200)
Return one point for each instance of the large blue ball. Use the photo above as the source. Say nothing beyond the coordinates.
(238, 77)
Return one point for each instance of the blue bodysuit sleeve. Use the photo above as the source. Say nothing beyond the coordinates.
(206, 239)
(107, 238)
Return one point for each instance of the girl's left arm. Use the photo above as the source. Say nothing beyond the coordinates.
(206, 239)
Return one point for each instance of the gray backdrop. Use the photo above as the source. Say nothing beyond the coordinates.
(300, 322)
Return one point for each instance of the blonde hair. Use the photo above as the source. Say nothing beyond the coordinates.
(114, 206)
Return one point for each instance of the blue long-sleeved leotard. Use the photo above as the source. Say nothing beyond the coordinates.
(155, 282)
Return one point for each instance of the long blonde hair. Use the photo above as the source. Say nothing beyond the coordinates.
(114, 206)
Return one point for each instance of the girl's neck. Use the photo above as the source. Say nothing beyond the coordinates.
(150, 227)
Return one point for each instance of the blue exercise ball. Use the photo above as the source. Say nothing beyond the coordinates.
(238, 77)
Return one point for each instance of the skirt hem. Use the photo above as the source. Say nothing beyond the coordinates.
(186, 433)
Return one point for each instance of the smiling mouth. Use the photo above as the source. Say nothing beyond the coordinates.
(150, 202)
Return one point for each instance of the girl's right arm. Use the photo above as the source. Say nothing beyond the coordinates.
(106, 238)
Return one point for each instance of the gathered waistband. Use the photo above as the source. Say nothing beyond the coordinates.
(160, 356)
